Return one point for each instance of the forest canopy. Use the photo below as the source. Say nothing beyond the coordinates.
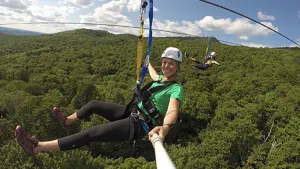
(243, 113)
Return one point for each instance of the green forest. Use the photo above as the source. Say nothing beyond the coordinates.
(242, 114)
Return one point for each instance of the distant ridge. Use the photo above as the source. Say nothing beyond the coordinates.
(12, 31)
(91, 32)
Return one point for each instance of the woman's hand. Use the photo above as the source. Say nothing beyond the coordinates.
(162, 131)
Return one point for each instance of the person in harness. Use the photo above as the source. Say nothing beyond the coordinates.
(209, 60)
(153, 109)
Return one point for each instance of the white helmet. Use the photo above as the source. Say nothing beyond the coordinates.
(213, 54)
(172, 53)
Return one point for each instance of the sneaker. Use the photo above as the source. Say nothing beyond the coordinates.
(60, 116)
(27, 142)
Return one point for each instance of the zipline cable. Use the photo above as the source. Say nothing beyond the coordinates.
(230, 42)
(250, 19)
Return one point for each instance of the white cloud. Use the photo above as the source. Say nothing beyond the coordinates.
(51, 13)
(35, 13)
(16, 11)
(261, 16)
(17, 4)
(29, 11)
(13, 4)
(134, 6)
(243, 37)
(239, 27)
(82, 3)
(110, 13)
(255, 45)
(174, 26)
(294, 45)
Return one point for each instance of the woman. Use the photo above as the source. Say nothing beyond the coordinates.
(124, 123)
(209, 60)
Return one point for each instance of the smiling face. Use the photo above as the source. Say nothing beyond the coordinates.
(169, 67)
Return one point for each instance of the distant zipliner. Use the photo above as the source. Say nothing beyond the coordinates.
(209, 60)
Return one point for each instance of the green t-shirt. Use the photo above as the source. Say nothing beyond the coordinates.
(162, 98)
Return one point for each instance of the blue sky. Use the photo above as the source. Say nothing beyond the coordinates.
(187, 16)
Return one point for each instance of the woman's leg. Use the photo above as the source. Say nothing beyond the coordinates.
(198, 62)
(198, 66)
(72, 118)
(205, 66)
(47, 146)
(202, 67)
(120, 130)
(110, 111)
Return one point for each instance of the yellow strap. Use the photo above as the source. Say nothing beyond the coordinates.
(139, 51)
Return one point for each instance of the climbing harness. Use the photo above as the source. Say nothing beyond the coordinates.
(144, 95)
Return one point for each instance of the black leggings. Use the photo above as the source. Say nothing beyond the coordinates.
(202, 67)
(121, 127)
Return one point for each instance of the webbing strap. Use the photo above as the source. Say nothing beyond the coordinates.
(208, 49)
(146, 61)
(146, 93)
(140, 41)
(147, 103)
(158, 88)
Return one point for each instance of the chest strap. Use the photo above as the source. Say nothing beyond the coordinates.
(145, 97)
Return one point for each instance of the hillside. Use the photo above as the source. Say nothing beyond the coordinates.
(242, 114)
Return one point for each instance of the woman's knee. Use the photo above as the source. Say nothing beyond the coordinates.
(88, 109)
(93, 103)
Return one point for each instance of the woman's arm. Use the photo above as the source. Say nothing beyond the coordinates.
(152, 73)
(172, 113)
(215, 62)
(193, 59)
(171, 117)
